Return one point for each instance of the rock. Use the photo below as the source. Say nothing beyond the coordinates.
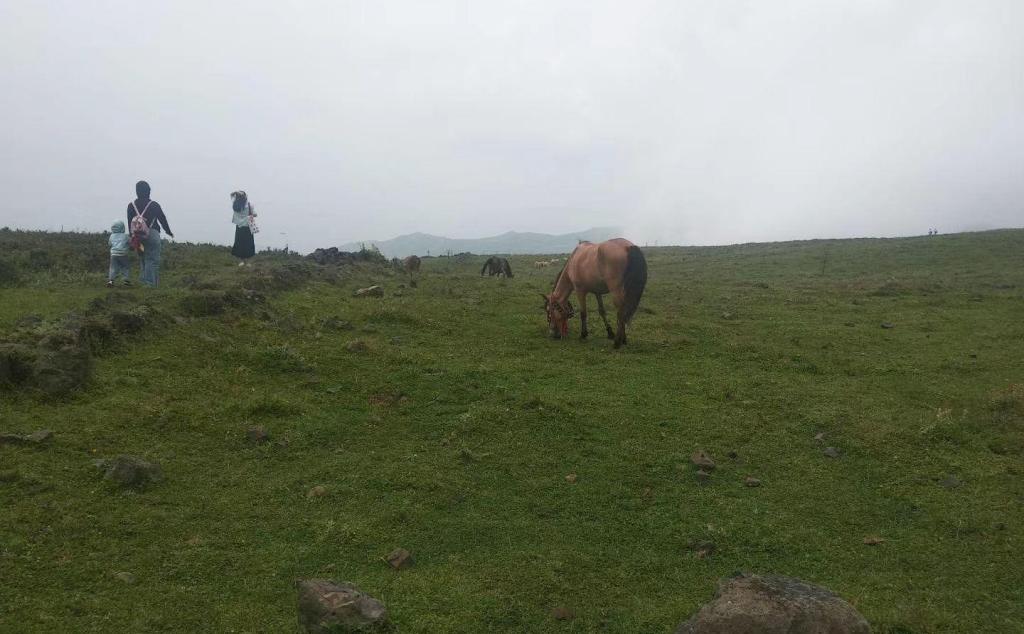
(369, 291)
(125, 577)
(130, 471)
(316, 492)
(703, 476)
(888, 325)
(35, 438)
(771, 604)
(872, 540)
(702, 460)
(950, 482)
(562, 613)
(751, 481)
(732, 455)
(325, 606)
(831, 452)
(258, 434)
(399, 558)
(356, 345)
(571, 478)
(820, 436)
(702, 549)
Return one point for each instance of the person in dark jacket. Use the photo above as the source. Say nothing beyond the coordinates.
(153, 215)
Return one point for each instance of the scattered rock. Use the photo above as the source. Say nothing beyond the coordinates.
(130, 471)
(873, 540)
(257, 434)
(702, 549)
(35, 438)
(950, 482)
(315, 492)
(888, 325)
(751, 481)
(769, 604)
(369, 291)
(702, 460)
(356, 345)
(562, 613)
(702, 476)
(733, 455)
(125, 577)
(400, 558)
(571, 478)
(395, 341)
(325, 606)
(831, 452)
(820, 436)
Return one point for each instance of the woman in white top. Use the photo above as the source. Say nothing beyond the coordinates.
(242, 216)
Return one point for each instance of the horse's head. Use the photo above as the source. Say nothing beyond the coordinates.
(559, 314)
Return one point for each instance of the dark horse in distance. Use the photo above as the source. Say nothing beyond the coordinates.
(496, 266)
(615, 266)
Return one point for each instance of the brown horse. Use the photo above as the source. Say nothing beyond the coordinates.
(411, 264)
(496, 266)
(615, 266)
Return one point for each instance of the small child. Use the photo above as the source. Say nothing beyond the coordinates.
(120, 250)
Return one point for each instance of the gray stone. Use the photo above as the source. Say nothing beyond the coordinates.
(369, 291)
(125, 577)
(356, 345)
(326, 606)
(258, 434)
(130, 471)
(35, 438)
(751, 481)
(400, 558)
(702, 460)
(771, 604)
(950, 482)
(831, 452)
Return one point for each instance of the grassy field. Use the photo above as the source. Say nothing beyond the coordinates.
(452, 433)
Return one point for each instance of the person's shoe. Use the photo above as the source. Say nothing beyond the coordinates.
(110, 283)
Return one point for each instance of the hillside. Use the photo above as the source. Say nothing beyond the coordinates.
(440, 418)
(511, 242)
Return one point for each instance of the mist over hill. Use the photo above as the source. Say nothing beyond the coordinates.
(512, 242)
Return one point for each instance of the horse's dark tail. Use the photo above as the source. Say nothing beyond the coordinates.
(507, 267)
(486, 264)
(633, 281)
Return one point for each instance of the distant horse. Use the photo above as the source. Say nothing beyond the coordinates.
(496, 266)
(616, 266)
(541, 264)
(411, 264)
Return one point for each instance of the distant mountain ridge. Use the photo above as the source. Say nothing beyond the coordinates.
(511, 242)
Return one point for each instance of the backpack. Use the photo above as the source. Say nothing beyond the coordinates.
(139, 227)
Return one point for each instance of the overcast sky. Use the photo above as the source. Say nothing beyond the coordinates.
(682, 122)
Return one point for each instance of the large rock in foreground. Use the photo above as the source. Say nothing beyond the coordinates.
(326, 606)
(770, 604)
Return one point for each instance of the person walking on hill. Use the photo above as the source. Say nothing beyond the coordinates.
(120, 254)
(243, 216)
(145, 217)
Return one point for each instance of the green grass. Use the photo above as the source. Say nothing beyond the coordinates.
(452, 434)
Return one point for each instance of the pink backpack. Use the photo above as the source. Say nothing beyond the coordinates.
(139, 227)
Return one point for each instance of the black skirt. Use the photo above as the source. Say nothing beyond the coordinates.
(245, 246)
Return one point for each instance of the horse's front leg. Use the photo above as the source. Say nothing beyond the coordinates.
(604, 316)
(582, 297)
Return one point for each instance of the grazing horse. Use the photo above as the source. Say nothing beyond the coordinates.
(496, 266)
(615, 266)
(411, 264)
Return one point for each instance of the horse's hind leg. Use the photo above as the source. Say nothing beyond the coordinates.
(604, 316)
(582, 297)
(620, 300)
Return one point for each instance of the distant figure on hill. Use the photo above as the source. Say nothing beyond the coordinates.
(243, 215)
(496, 266)
(145, 217)
(120, 254)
